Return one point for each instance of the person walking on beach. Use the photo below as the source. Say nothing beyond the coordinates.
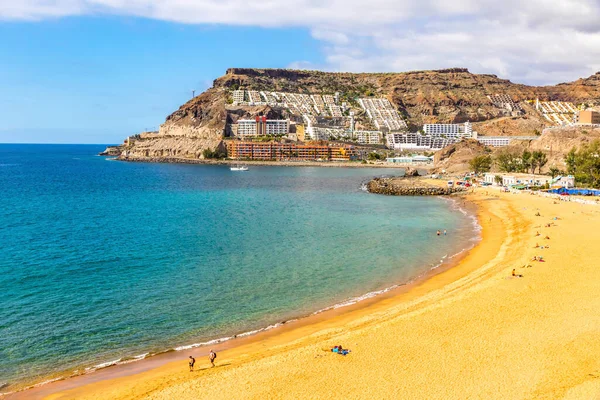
(211, 357)
(438, 232)
(192, 362)
(445, 232)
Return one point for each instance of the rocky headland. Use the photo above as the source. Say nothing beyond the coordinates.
(452, 95)
(409, 186)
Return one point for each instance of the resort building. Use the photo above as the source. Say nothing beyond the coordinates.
(528, 180)
(276, 151)
(261, 126)
(239, 96)
(414, 159)
(456, 131)
(368, 137)
(500, 141)
(589, 117)
(416, 141)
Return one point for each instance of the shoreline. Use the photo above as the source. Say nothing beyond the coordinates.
(148, 361)
(326, 164)
(475, 330)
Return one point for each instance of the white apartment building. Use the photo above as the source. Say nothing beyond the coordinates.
(239, 96)
(530, 180)
(456, 131)
(494, 141)
(268, 127)
(416, 141)
(368, 137)
(500, 141)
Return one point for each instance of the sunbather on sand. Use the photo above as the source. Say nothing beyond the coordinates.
(514, 274)
(340, 350)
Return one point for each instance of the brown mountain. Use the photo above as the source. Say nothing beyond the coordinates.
(445, 96)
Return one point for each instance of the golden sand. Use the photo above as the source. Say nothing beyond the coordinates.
(471, 332)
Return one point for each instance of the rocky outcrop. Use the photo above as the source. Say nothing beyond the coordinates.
(408, 187)
(112, 151)
(455, 158)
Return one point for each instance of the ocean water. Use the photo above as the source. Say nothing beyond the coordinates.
(103, 260)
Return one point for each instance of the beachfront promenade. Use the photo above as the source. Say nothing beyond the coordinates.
(471, 332)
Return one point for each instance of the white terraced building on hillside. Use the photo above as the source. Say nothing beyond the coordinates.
(382, 114)
(559, 112)
(254, 98)
(456, 131)
(505, 102)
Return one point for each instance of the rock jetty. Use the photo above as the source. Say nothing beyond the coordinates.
(409, 187)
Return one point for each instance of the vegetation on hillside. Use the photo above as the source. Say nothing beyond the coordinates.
(481, 164)
(584, 164)
(526, 161)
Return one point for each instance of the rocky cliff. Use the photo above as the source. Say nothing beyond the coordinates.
(445, 96)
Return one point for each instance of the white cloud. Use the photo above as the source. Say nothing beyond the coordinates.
(534, 41)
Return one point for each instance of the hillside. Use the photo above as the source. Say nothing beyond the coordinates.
(445, 96)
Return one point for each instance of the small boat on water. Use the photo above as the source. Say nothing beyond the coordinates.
(238, 168)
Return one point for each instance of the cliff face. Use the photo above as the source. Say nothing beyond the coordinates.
(445, 96)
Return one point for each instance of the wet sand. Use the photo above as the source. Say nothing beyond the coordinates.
(472, 331)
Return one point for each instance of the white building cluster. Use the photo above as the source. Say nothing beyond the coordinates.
(382, 114)
(505, 102)
(559, 112)
(298, 103)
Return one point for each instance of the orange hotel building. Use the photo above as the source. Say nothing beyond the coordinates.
(276, 151)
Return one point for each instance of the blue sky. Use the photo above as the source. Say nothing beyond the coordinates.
(98, 80)
(95, 71)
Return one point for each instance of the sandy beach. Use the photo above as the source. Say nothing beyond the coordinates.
(472, 331)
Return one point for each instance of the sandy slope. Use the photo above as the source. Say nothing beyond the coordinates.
(472, 332)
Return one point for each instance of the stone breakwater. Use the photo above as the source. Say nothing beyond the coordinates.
(409, 187)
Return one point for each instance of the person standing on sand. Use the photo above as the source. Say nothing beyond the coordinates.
(211, 357)
(445, 232)
(438, 232)
(192, 362)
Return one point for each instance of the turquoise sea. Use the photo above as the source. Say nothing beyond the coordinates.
(103, 260)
